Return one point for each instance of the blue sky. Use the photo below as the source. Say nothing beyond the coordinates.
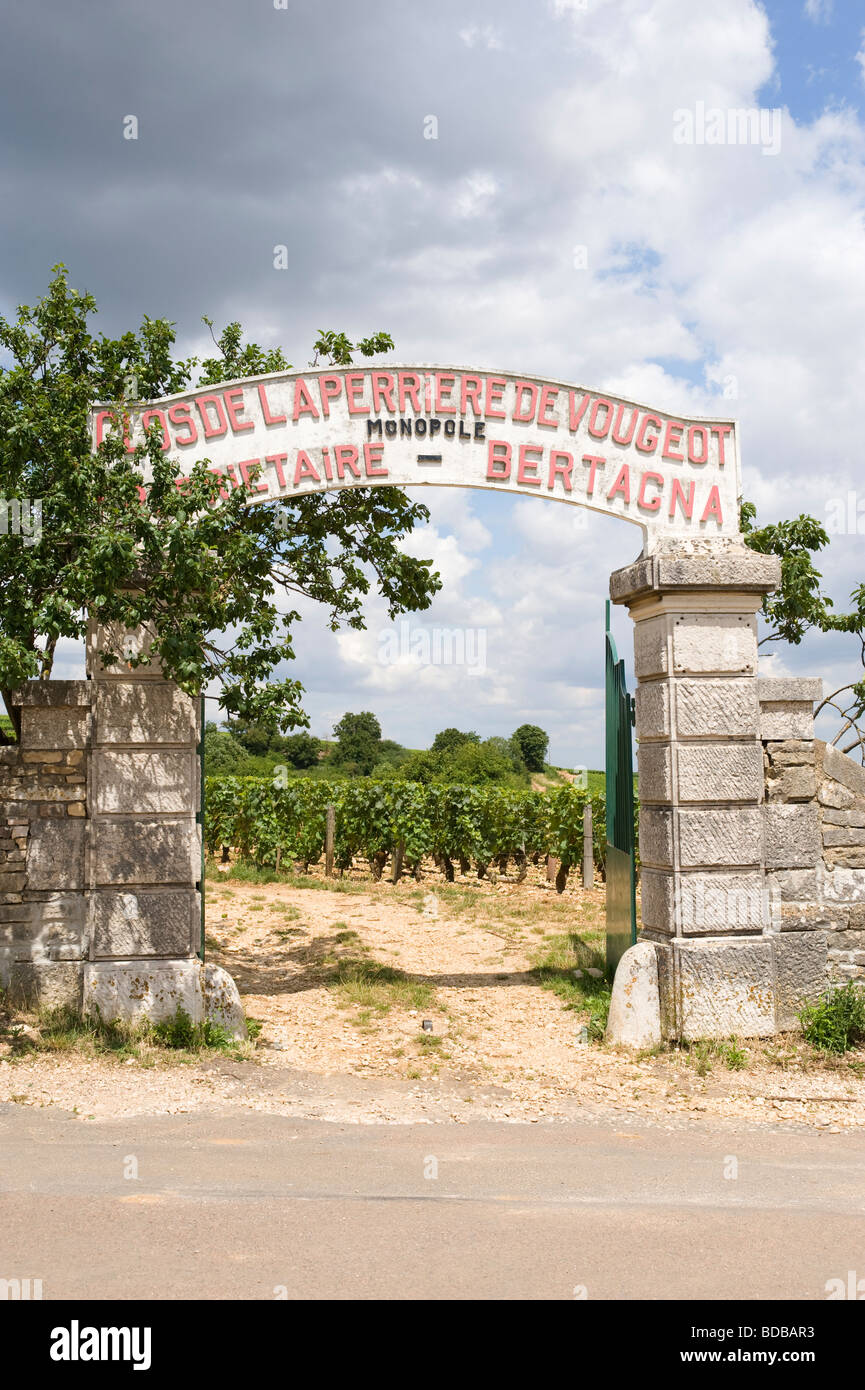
(719, 280)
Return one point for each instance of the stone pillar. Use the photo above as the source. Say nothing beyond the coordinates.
(144, 859)
(705, 903)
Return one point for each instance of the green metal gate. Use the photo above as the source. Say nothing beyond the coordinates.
(621, 876)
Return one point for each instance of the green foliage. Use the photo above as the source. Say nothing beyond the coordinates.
(121, 540)
(454, 822)
(467, 760)
(837, 1022)
(449, 739)
(533, 744)
(358, 742)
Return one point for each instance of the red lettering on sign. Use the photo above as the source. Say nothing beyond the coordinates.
(713, 507)
(329, 388)
(548, 402)
(149, 415)
(249, 471)
(527, 467)
(303, 402)
(617, 424)
(525, 415)
(382, 390)
(575, 415)
(651, 504)
(565, 467)
(265, 410)
(686, 501)
(721, 431)
(495, 390)
(594, 430)
(236, 408)
(674, 427)
(212, 431)
(445, 383)
(409, 389)
(277, 460)
(594, 461)
(346, 458)
(354, 384)
(470, 390)
(499, 452)
(372, 455)
(645, 444)
(703, 456)
(303, 468)
(621, 485)
(180, 414)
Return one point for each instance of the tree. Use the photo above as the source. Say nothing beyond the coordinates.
(358, 742)
(186, 569)
(301, 749)
(449, 739)
(533, 744)
(800, 605)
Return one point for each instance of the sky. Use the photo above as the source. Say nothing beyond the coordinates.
(557, 225)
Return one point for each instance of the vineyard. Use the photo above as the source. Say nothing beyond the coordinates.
(470, 828)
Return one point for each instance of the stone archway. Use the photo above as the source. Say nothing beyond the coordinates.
(102, 890)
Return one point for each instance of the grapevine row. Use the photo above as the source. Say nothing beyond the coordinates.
(459, 827)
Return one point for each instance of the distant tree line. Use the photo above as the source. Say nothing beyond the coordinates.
(358, 750)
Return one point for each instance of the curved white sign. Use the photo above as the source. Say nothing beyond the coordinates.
(297, 432)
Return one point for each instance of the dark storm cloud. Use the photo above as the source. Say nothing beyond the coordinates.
(249, 120)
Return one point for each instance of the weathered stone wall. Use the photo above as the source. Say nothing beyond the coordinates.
(816, 801)
(43, 844)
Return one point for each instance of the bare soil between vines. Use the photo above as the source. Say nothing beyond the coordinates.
(341, 976)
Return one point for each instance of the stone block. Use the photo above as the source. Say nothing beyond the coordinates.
(135, 783)
(137, 991)
(841, 885)
(657, 901)
(791, 836)
(717, 902)
(714, 642)
(49, 727)
(146, 924)
(795, 689)
(843, 835)
(832, 794)
(146, 851)
(129, 644)
(841, 768)
(854, 817)
(651, 657)
(715, 838)
(719, 772)
(786, 719)
(55, 855)
(711, 708)
(51, 693)
(144, 712)
(725, 987)
(222, 1004)
(656, 837)
(652, 702)
(791, 784)
(46, 983)
(800, 974)
(793, 885)
(635, 1008)
(654, 771)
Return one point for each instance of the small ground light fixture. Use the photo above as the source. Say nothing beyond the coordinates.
(427, 1025)
(583, 1036)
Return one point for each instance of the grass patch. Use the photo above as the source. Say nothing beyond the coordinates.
(837, 1022)
(379, 987)
(705, 1052)
(555, 968)
(62, 1030)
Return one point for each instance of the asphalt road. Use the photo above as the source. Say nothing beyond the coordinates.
(253, 1206)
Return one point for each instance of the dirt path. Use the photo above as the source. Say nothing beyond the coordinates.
(341, 978)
